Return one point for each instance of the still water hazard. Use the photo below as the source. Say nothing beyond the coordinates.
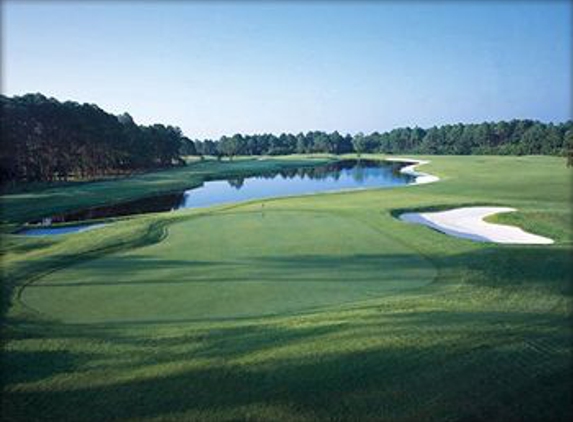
(340, 175)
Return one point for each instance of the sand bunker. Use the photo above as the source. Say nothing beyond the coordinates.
(468, 223)
(421, 178)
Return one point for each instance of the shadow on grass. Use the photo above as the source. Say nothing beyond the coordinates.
(546, 268)
(31, 366)
(479, 377)
(22, 246)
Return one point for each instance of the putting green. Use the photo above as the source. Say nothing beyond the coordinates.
(234, 265)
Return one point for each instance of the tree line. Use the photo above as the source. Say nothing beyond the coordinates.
(44, 139)
(515, 137)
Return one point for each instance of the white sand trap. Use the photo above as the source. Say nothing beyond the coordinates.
(468, 223)
(420, 178)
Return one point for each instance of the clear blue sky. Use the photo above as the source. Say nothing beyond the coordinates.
(253, 67)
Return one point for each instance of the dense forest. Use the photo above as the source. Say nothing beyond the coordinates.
(516, 137)
(44, 139)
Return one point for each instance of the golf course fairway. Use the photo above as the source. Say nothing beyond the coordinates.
(313, 308)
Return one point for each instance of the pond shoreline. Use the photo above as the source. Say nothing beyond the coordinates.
(72, 222)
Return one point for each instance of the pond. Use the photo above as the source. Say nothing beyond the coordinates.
(341, 175)
(330, 177)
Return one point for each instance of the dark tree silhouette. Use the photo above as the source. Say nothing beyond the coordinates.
(47, 140)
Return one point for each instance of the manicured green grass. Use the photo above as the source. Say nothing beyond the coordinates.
(321, 307)
(234, 265)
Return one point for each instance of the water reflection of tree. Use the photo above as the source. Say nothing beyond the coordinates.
(358, 174)
(358, 170)
(236, 183)
(157, 203)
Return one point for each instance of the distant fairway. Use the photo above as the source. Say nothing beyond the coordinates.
(234, 265)
(313, 308)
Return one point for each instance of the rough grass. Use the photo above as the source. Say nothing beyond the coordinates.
(488, 339)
